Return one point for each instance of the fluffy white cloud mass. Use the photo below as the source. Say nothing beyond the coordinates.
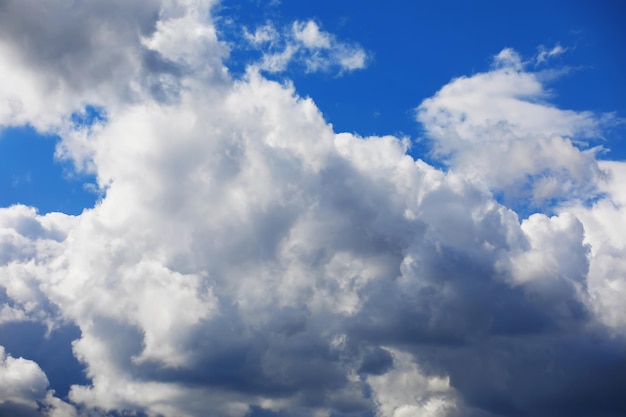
(497, 129)
(245, 259)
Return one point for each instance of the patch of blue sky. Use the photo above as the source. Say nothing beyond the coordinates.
(30, 174)
(88, 117)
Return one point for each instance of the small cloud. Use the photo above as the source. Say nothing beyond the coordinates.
(263, 34)
(310, 36)
(508, 58)
(544, 54)
(10, 314)
(304, 43)
(352, 59)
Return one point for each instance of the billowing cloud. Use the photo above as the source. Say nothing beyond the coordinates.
(22, 381)
(404, 391)
(246, 259)
(55, 59)
(58, 57)
(604, 220)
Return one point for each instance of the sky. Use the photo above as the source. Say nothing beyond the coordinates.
(283, 208)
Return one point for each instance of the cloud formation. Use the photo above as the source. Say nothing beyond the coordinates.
(246, 259)
(306, 45)
(497, 128)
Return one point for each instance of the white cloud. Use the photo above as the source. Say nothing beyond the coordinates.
(262, 34)
(245, 255)
(496, 128)
(544, 54)
(310, 35)
(54, 64)
(23, 390)
(11, 314)
(305, 44)
(405, 391)
(21, 380)
(185, 38)
(604, 222)
(556, 250)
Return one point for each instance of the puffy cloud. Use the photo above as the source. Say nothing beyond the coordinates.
(52, 60)
(22, 381)
(497, 128)
(11, 314)
(305, 44)
(23, 390)
(603, 221)
(29, 243)
(404, 391)
(246, 259)
(57, 57)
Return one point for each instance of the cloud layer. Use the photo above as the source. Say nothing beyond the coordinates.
(245, 259)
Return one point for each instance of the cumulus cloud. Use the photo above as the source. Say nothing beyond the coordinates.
(306, 45)
(53, 62)
(405, 391)
(104, 53)
(604, 220)
(23, 390)
(22, 381)
(498, 129)
(247, 259)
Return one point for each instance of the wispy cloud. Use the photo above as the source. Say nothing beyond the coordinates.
(544, 54)
(305, 44)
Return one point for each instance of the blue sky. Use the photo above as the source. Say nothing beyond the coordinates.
(286, 208)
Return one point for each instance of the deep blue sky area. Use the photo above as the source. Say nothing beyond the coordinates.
(29, 174)
(416, 48)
